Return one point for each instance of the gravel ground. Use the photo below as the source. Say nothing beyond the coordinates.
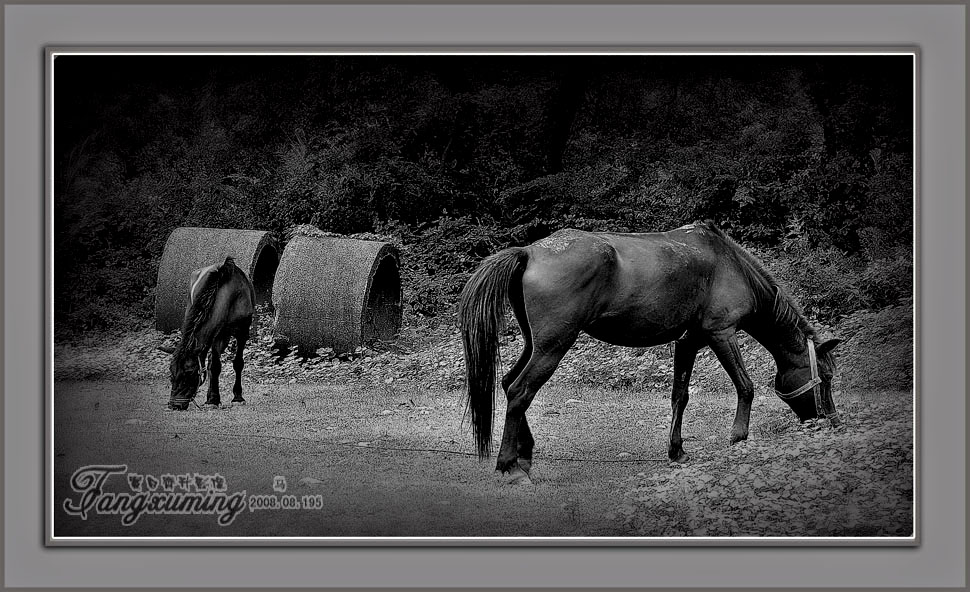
(607, 405)
(809, 480)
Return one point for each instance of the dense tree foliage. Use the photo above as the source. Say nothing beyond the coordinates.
(808, 160)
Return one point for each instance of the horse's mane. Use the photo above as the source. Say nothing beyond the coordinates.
(771, 295)
(200, 311)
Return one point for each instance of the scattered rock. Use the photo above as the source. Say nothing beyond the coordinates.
(808, 480)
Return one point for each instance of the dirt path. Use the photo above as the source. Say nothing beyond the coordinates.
(397, 462)
(322, 446)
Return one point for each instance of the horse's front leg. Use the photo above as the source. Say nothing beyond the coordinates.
(729, 354)
(215, 367)
(237, 365)
(685, 352)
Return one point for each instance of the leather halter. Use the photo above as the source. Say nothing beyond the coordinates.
(811, 384)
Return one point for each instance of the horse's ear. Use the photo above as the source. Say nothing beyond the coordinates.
(827, 346)
(167, 349)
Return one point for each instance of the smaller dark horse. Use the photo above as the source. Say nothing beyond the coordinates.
(221, 305)
(693, 285)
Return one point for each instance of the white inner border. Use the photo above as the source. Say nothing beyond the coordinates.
(488, 541)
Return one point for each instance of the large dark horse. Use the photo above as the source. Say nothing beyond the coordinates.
(693, 285)
(221, 304)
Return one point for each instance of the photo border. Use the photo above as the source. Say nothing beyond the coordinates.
(393, 571)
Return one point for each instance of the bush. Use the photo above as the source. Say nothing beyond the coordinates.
(461, 161)
(878, 349)
(886, 282)
(830, 284)
(438, 258)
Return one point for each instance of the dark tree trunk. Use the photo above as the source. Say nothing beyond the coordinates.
(558, 120)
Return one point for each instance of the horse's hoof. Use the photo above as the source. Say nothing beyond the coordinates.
(519, 477)
(735, 438)
(211, 406)
(525, 465)
(679, 457)
(505, 466)
(239, 402)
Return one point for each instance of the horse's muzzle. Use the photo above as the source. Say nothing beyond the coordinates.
(806, 407)
(180, 401)
(803, 405)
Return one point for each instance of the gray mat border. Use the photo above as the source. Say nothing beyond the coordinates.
(943, 220)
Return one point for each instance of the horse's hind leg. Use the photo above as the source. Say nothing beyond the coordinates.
(520, 395)
(524, 440)
(518, 309)
(685, 352)
(512, 374)
(726, 349)
(524, 445)
(237, 364)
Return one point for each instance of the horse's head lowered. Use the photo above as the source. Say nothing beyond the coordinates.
(187, 375)
(807, 387)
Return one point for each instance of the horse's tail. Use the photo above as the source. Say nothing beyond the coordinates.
(481, 317)
(227, 270)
